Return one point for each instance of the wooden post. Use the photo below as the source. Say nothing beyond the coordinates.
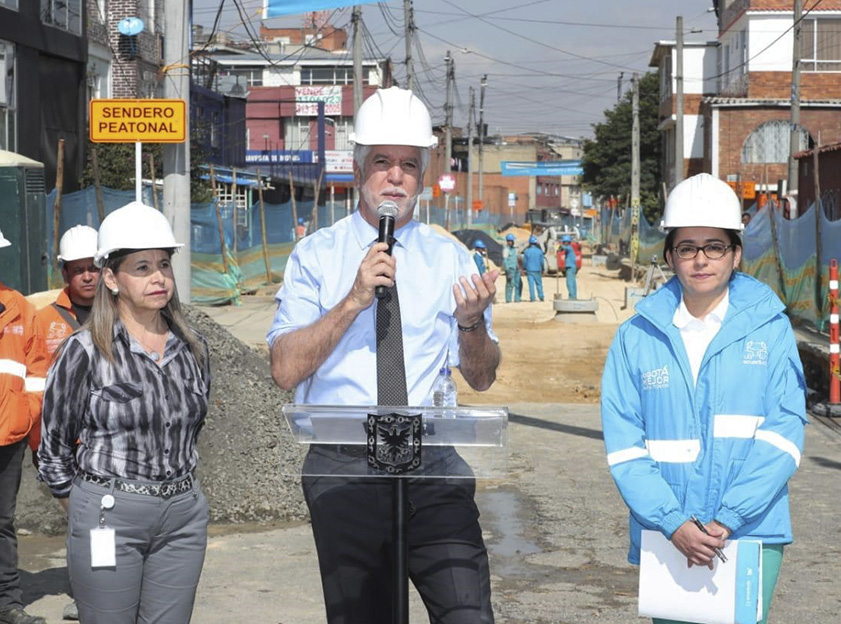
(100, 204)
(316, 192)
(263, 228)
(219, 220)
(236, 207)
(818, 227)
(294, 207)
(59, 184)
(154, 185)
(776, 240)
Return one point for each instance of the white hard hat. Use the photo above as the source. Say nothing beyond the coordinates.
(4, 242)
(702, 201)
(393, 116)
(134, 226)
(76, 243)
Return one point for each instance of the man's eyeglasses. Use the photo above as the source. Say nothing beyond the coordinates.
(713, 251)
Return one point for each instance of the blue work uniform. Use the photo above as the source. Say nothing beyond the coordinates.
(570, 269)
(479, 259)
(512, 274)
(533, 262)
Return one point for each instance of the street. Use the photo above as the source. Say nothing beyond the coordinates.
(555, 528)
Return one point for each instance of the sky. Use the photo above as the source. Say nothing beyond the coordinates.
(552, 66)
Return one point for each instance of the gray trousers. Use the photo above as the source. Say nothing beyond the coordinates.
(11, 464)
(160, 547)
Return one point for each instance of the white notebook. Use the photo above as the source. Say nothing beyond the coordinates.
(730, 593)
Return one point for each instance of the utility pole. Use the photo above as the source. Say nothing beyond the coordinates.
(176, 165)
(410, 27)
(448, 113)
(635, 172)
(619, 86)
(356, 20)
(679, 104)
(484, 84)
(470, 120)
(794, 146)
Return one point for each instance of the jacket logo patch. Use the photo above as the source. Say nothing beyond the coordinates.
(756, 353)
(657, 379)
(17, 330)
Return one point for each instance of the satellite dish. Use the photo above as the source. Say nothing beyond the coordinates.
(130, 26)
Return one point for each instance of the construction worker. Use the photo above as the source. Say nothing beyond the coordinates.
(479, 250)
(124, 404)
(81, 276)
(334, 342)
(301, 228)
(513, 283)
(570, 265)
(23, 368)
(533, 263)
(703, 395)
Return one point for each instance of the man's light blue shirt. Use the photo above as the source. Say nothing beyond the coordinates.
(320, 273)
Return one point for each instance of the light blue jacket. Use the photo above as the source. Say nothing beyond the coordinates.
(533, 258)
(722, 449)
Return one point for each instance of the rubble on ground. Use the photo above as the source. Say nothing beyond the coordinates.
(248, 462)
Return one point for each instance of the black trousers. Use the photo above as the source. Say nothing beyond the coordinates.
(352, 522)
(11, 466)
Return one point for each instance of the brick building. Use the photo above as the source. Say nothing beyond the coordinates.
(737, 90)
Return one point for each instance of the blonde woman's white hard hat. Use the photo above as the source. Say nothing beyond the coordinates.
(78, 242)
(393, 116)
(702, 201)
(134, 226)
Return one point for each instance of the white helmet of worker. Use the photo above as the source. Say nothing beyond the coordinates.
(702, 201)
(78, 242)
(4, 242)
(134, 226)
(393, 116)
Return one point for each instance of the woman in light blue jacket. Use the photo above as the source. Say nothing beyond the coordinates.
(703, 394)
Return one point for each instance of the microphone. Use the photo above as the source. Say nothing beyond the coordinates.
(387, 210)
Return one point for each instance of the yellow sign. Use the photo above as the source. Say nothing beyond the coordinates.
(745, 190)
(133, 121)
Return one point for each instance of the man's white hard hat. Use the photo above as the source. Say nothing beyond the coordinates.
(134, 226)
(393, 116)
(702, 201)
(78, 242)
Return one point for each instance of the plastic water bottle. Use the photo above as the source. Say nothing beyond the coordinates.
(444, 392)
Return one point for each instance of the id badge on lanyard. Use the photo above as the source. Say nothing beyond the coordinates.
(104, 538)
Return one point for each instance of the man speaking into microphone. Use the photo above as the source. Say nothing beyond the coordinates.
(337, 343)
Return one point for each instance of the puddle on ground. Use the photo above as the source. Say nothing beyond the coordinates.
(502, 516)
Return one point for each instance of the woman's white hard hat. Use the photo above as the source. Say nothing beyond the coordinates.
(78, 242)
(393, 116)
(134, 226)
(702, 201)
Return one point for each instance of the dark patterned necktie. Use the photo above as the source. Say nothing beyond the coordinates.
(391, 367)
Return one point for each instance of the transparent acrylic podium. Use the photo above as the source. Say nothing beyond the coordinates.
(402, 443)
(478, 434)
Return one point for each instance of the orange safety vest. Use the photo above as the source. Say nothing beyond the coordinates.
(56, 321)
(23, 370)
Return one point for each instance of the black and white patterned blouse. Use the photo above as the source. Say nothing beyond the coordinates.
(133, 420)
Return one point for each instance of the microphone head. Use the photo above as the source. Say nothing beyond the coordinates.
(388, 209)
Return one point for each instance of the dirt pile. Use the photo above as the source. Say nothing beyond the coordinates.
(248, 461)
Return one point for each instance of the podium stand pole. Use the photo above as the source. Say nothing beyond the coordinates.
(400, 489)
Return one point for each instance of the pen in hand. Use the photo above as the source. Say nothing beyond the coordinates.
(703, 530)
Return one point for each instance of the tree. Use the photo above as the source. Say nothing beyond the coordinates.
(607, 158)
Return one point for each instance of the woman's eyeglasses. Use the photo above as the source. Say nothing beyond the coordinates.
(713, 251)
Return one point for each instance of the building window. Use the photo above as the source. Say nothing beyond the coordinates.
(769, 143)
(326, 75)
(12, 4)
(297, 133)
(64, 14)
(252, 76)
(8, 114)
(342, 127)
(820, 45)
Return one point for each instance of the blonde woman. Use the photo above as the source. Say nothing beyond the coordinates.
(131, 388)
